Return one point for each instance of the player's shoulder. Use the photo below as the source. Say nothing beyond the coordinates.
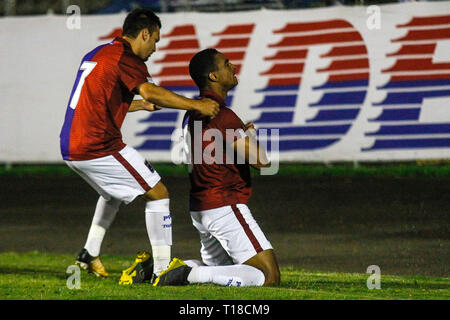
(112, 49)
(227, 113)
(227, 118)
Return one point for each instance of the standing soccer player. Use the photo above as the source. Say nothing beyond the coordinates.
(91, 141)
(234, 250)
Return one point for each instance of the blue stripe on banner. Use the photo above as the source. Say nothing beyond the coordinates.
(398, 115)
(314, 130)
(415, 97)
(155, 145)
(343, 84)
(67, 126)
(229, 100)
(275, 117)
(410, 144)
(412, 129)
(340, 98)
(157, 131)
(415, 83)
(277, 101)
(332, 115)
(181, 88)
(292, 145)
(279, 88)
(160, 116)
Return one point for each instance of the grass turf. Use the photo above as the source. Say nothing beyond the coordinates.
(42, 276)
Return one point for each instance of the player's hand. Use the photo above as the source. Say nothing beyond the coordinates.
(249, 125)
(208, 107)
(148, 106)
(250, 128)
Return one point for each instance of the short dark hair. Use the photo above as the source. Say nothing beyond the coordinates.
(139, 19)
(201, 64)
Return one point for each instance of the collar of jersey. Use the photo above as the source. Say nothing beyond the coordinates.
(214, 96)
(122, 40)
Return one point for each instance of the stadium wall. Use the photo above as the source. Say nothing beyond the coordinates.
(339, 83)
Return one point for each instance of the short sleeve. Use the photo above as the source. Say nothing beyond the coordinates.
(231, 126)
(132, 72)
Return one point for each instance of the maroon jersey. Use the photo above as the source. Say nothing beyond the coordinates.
(100, 99)
(220, 183)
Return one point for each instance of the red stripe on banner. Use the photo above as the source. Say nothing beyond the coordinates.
(426, 21)
(350, 36)
(285, 68)
(288, 54)
(177, 57)
(348, 77)
(417, 65)
(421, 77)
(132, 171)
(284, 81)
(236, 29)
(173, 71)
(185, 30)
(414, 49)
(313, 26)
(433, 34)
(117, 32)
(247, 229)
(233, 43)
(345, 51)
(182, 44)
(234, 55)
(346, 65)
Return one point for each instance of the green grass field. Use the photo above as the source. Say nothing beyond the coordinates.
(43, 276)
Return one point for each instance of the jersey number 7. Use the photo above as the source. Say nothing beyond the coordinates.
(86, 67)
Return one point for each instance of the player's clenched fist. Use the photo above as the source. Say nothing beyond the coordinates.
(208, 107)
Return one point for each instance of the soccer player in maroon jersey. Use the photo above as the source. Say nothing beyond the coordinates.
(234, 250)
(91, 141)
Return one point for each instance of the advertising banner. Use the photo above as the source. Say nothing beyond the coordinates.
(339, 83)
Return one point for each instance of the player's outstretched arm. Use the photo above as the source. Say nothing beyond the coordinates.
(142, 104)
(168, 99)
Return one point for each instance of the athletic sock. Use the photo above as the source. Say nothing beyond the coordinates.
(159, 229)
(238, 275)
(193, 263)
(104, 215)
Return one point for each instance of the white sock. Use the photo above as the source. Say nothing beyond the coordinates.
(193, 263)
(159, 229)
(104, 215)
(238, 275)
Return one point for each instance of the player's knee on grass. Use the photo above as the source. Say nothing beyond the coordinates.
(267, 263)
(158, 192)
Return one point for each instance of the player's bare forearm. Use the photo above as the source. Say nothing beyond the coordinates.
(164, 98)
(254, 150)
(168, 99)
(253, 153)
(142, 104)
(261, 156)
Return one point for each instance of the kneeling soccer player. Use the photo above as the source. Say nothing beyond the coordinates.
(234, 250)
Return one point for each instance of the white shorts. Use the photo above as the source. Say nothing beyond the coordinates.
(228, 235)
(123, 175)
